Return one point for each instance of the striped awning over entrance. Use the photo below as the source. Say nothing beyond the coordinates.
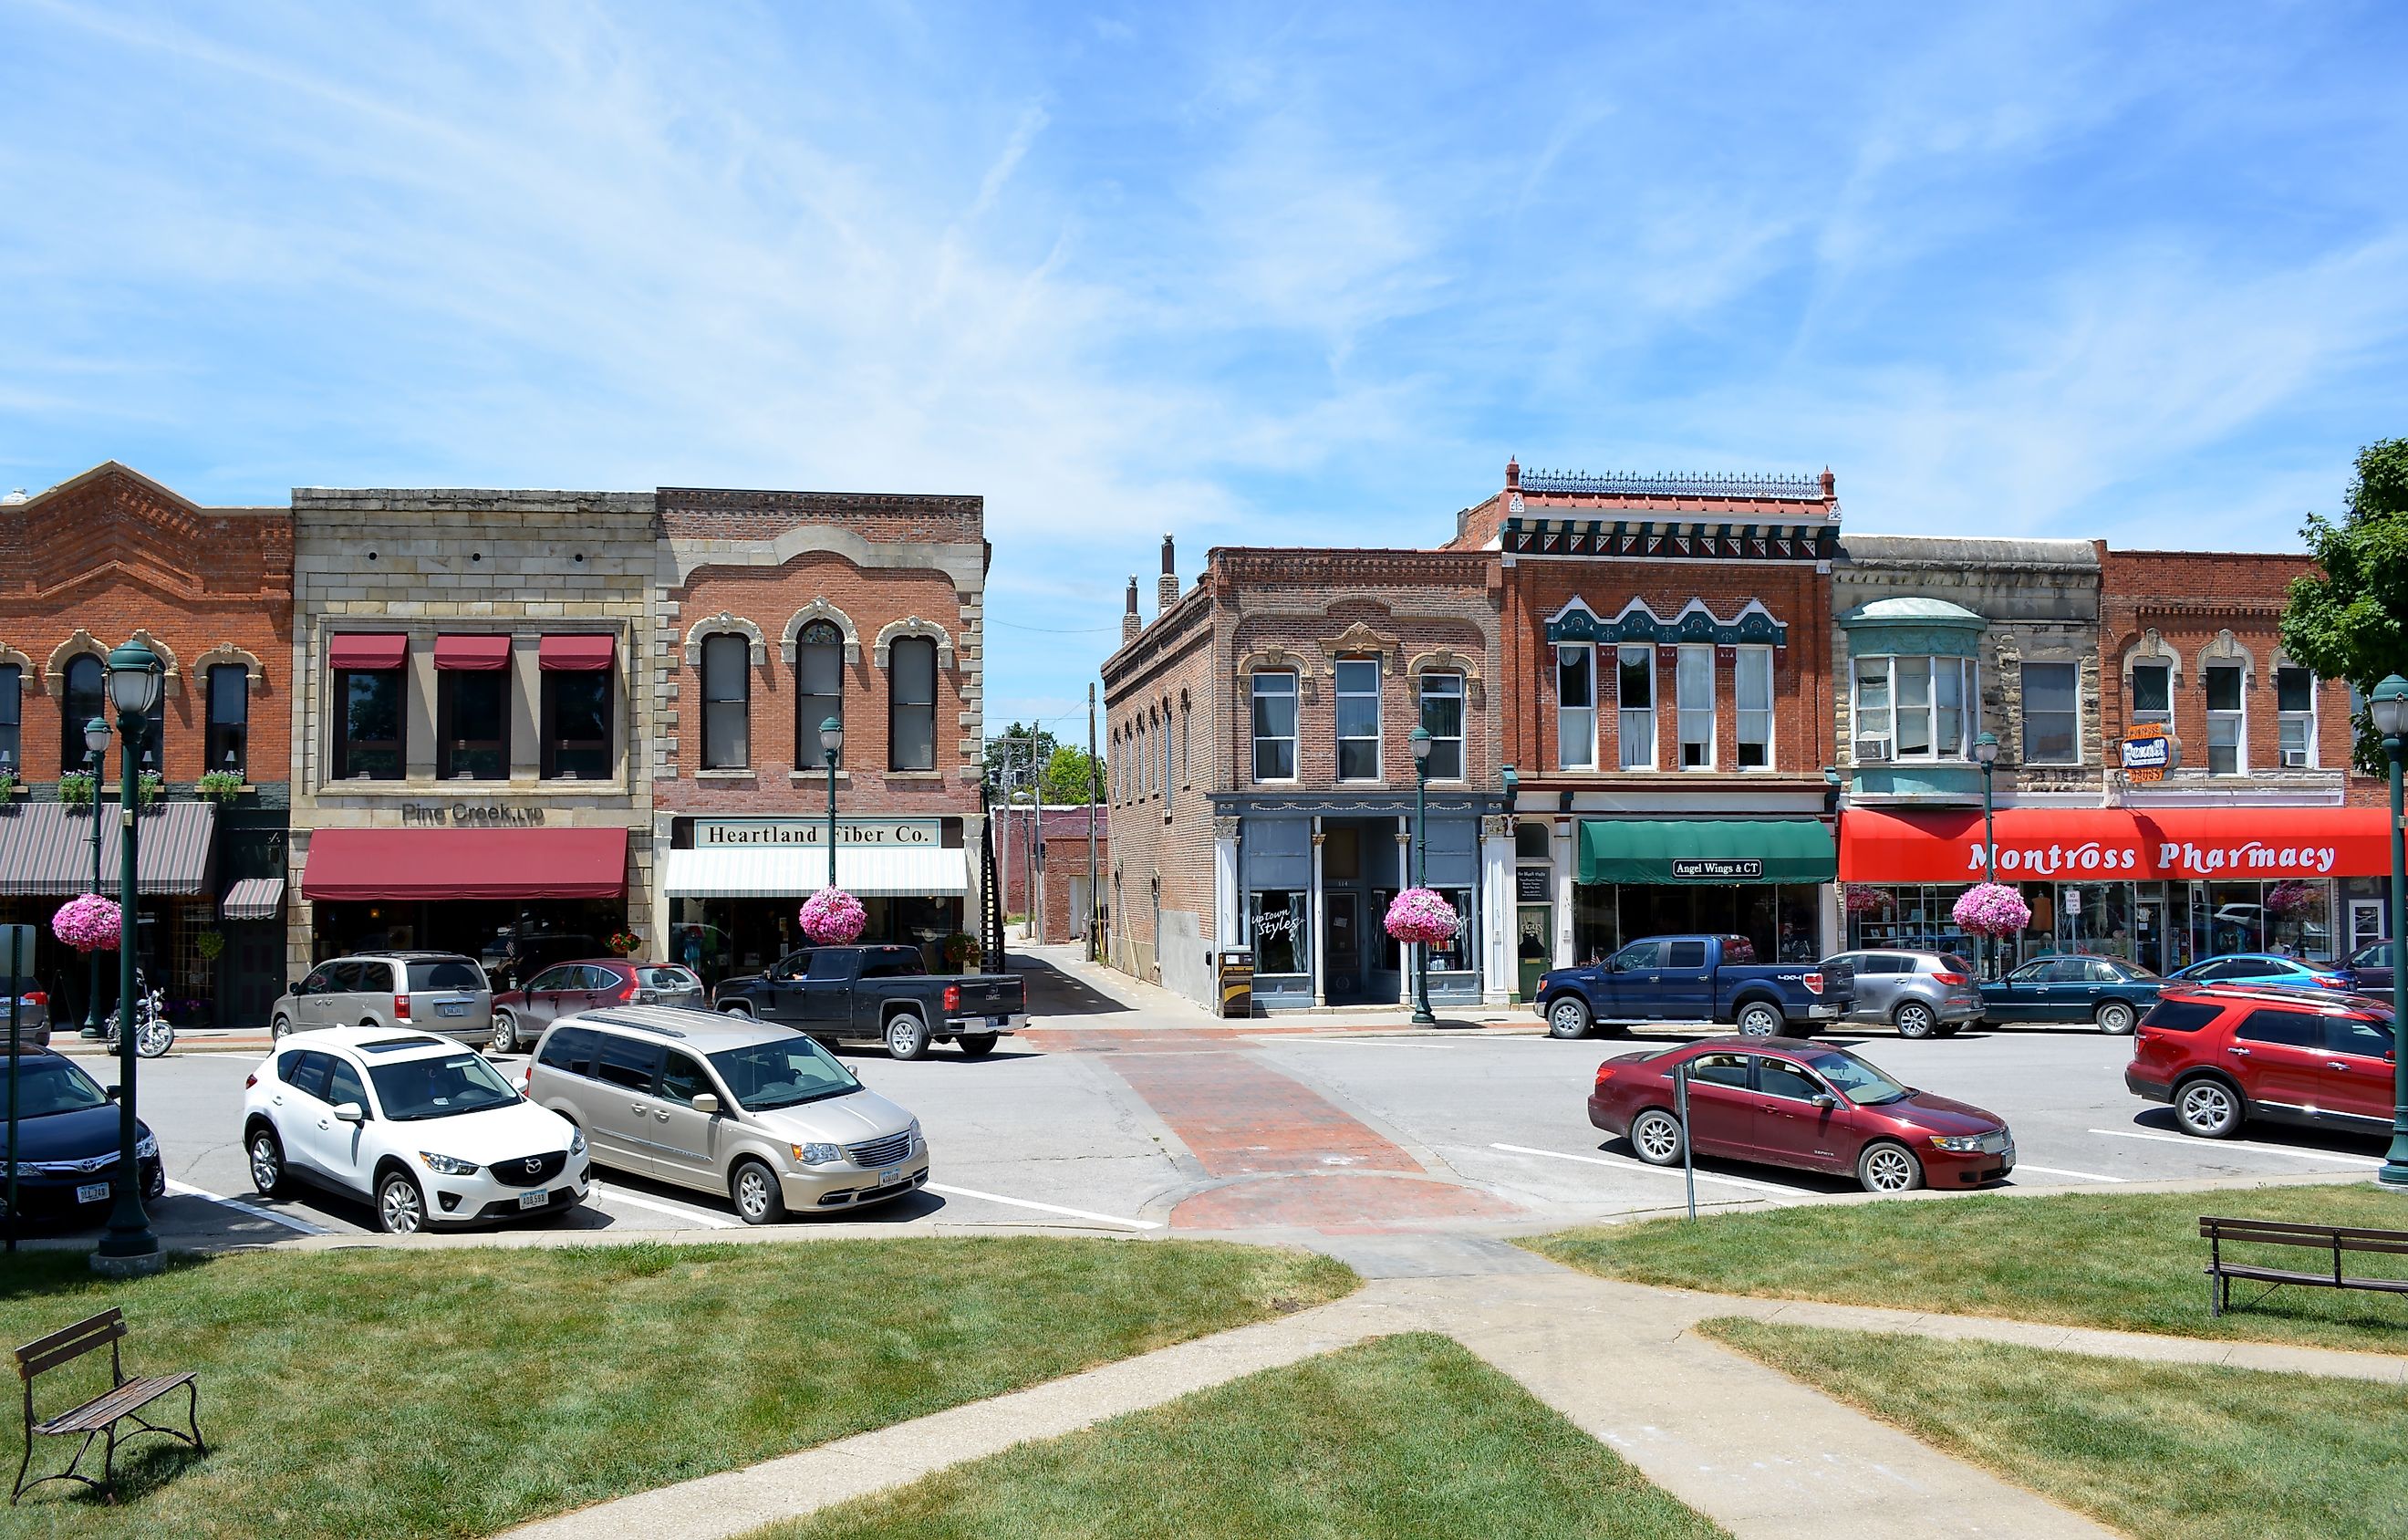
(253, 898)
(795, 872)
(46, 849)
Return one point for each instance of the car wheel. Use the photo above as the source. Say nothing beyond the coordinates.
(1568, 1017)
(753, 1187)
(506, 1035)
(280, 1028)
(266, 1163)
(1655, 1134)
(1759, 1019)
(906, 1037)
(1914, 1019)
(401, 1208)
(1885, 1167)
(2116, 1018)
(2208, 1108)
(978, 1044)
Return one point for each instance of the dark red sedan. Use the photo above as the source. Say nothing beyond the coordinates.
(565, 989)
(1789, 1103)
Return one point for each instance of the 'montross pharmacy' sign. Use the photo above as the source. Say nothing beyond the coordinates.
(2114, 844)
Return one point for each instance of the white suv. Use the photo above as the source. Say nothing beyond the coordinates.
(423, 1127)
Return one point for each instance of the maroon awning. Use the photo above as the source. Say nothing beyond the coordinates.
(367, 650)
(482, 653)
(581, 653)
(438, 864)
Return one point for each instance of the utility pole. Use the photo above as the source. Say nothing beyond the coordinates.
(1094, 898)
(1036, 818)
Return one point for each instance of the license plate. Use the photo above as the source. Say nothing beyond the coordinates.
(456, 1008)
(890, 1175)
(94, 1192)
(534, 1199)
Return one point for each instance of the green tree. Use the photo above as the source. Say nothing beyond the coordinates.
(1067, 774)
(1007, 756)
(2351, 620)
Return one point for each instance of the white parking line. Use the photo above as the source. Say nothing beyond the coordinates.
(701, 1217)
(2052, 1171)
(2204, 1145)
(1641, 1165)
(1047, 1208)
(188, 1191)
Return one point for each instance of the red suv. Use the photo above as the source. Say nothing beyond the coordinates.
(2222, 1053)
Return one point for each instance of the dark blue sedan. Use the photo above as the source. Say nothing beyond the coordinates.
(2262, 967)
(67, 1141)
(2073, 986)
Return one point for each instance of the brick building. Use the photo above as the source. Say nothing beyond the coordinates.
(1664, 699)
(1262, 781)
(780, 611)
(107, 556)
(1048, 881)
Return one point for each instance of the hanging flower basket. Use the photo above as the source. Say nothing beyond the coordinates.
(622, 944)
(2286, 901)
(1992, 909)
(833, 918)
(1422, 916)
(1867, 900)
(88, 924)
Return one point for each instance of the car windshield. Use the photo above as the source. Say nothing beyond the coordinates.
(49, 1085)
(420, 1089)
(1863, 1085)
(2135, 971)
(784, 1073)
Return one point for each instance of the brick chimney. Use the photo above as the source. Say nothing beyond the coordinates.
(1166, 588)
(1513, 473)
(1830, 485)
(1130, 625)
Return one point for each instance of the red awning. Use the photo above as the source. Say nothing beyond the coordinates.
(400, 864)
(581, 653)
(367, 650)
(483, 653)
(2115, 844)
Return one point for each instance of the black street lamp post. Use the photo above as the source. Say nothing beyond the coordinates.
(831, 745)
(1985, 754)
(2388, 706)
(129, 1249)
(95, 742)
(1421, 742)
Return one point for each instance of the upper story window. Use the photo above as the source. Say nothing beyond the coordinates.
(1693, 696)
(472, 724)
(2052, 714)
(2152, 692)
(2295, 705)
(367, 724)
(85, 697)
(1274, 724)
(576, 726)
(1168, 745)
(1913, 708)
(726, 701)
(911, 704)
(1575, 705)
(12, 706)
(2227, 719)
(1752, 684)
(1442, 719)
(1358, 719)
(229, 738)
(1635, 695)
(818, 689)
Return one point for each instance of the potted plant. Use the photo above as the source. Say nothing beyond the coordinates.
(623, 943)
(153, 786)
(963, 952)
(75, 788)
(219, 785)
(9, 782)
(210, 944)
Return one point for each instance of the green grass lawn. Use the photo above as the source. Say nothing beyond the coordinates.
(1406, 1436)
(2128, 1261)
(2177, 1451)
(456, 1392)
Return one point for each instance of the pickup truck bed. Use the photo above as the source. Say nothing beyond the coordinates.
(879, 994)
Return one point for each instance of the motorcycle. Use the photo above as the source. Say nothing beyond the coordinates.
(153, 1033)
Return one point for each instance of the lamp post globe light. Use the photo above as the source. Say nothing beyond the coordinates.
(129, 1249)
(1985, 754)
(1420, 738)
(2389, 707)
(95, 743)
(832, 746)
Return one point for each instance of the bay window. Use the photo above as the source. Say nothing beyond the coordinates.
(1442, 719)
(1751, 682)
(1693, 699)
(1274, 724)
(1913, 708)
(1635, 693)
(1575, 706)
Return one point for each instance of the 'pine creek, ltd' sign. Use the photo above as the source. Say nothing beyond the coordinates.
(751, 833)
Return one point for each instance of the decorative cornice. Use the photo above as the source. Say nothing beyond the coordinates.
(222, 654)
(912, 625)
(1359, 638)
(1274, 657)
(1768, 539)
(1807, 489)
(55, 671)
(820, 609)
(1638, 621)
(757, 645)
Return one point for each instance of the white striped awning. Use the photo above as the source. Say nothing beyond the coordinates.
(46, 848)
(253, 898)
(793, 872)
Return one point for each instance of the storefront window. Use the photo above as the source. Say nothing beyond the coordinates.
(1274, 727)
(1751, 682)
(1454, 955)
(2295, 700)
(1575, 706)
(1693, 687)
(2226, 720)
(1283, 929)
(2052, 714)
(726, 701)
(1442, 719)
(1358, 719)
(472, 724)
(367, 733)
(818, 689)
(229, 717)
(577, 726)
(911, 732)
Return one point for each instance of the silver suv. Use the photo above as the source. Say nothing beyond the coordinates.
(725, 1104)
(1923, 994)
(433, 991)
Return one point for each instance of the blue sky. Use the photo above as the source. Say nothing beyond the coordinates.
(1246, 274)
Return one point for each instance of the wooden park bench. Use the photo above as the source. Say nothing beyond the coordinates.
(2335, 1239)
(99, 1417)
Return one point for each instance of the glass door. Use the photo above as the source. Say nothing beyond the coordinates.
(1342, 945)
(2152, 948)
(2365, 921)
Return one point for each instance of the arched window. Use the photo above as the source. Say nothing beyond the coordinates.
(86, 696)
(818, 689)
(911, 704)
(726, 701)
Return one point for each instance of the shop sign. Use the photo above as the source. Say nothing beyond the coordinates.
(883, 833)
(2171, 858)
(1533, 883)
(2148, 752)
(467, 815)
(1719, 870)
(2114, 844)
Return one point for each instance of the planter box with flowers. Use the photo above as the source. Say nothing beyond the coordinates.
(221, 786)
(75, 789)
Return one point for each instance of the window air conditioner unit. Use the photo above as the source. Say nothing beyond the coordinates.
(1872, 751)
(2294, 759)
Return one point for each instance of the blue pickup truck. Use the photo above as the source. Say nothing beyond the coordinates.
(1695, 978)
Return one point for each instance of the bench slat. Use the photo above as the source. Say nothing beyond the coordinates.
(2312, 1280)
(2209, 1224)
(2389, 1243)
(74, 1342)
(103, 1409)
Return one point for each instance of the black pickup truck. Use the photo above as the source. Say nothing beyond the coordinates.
(879, 994)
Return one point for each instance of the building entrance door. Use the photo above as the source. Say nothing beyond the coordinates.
(2149, 940)
(2365, 921)
(1341, 944)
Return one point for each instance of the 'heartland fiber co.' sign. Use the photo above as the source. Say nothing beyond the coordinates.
(748, 833)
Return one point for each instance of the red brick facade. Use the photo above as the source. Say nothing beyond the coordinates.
(1061, 866)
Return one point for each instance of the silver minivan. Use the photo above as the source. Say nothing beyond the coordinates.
(434, 991)
(727, 1105)
(1923, 994)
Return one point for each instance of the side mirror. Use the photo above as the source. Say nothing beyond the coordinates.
(1827, 1101)
(707, 1103)
(112, 1092)
(350, 1112)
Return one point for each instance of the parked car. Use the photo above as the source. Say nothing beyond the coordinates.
(2073, 986)
(727, 1105)
(879, 994)
(68, 1134)
(33, 1011)
(433, 991)
(1693, 978)
(2223, 1054)
(1785, 1102)
(2369, 969)
(2261, 968)
(520, 1015)
(420, 1126)
(1923, 994)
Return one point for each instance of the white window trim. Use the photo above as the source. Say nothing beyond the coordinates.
(1772, 731)
(2309, 716)
(1655, 699)
(1968, 713)
(1590, 648)
(1680, 739)
(2024, 727)
(1339, 740)
(1461, 698)
(2132, 711)
(2239, 716)
(1294, 696)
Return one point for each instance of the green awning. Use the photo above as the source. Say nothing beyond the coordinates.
(1706, 849)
